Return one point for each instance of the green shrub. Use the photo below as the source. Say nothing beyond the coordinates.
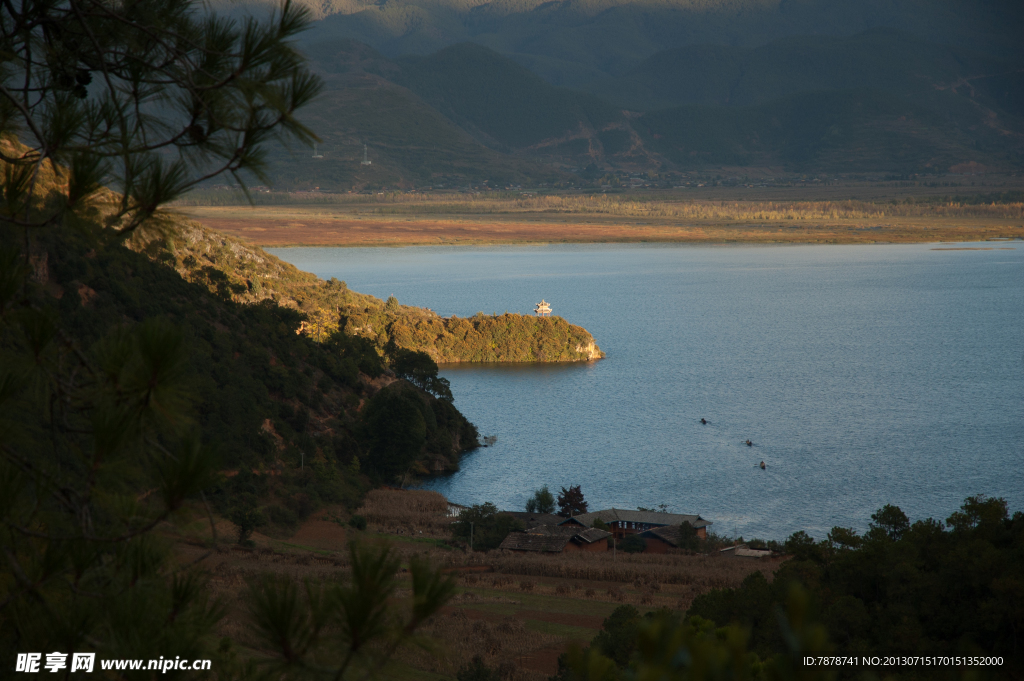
(282, 516)
(542, 501)
(632, 543)
(476, 670)
(247, 517)
(688, 538)
(487, 525)
(357, 522)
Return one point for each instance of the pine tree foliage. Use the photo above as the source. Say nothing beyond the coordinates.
(340, 631)
(571, 501)
(96, 450)
(100, 440)
(148, 96)
(542, 501)
(901, 588)
(666, 645)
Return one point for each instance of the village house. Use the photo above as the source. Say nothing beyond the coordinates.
(556, 539)
(661, 539)
(622, 522)
(532, 520)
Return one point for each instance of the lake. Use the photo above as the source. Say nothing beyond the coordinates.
(864, 375)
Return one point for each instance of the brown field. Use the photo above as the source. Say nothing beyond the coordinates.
(519, 611)
(822, 214)
(268, 232)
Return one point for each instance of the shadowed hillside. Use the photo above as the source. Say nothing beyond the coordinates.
(408, 144)
(500, 100)
(239, 273)
(464, 116)
(880, 59)
(842, 131)
(571, 42)
(669, 87)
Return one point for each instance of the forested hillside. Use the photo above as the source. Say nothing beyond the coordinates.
(924, 600)
(481, 338)
(290, 403)
(922, 588)
(329, 311)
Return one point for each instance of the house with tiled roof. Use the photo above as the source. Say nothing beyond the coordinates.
(531, 520)
(557, 539)
(622, 522)
(661, 539)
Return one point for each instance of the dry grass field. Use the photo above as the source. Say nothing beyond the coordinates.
(519, 611)
(713, 215)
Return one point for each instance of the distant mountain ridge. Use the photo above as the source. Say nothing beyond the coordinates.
(882, 100)
(837, 131)
(571, 42)
(447, 93)
(881, 59)
(505, 103)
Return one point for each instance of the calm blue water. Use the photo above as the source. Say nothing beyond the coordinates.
(864, 375)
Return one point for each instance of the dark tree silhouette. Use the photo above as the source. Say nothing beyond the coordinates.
(890, 520)
(688, 538)
(571, 502)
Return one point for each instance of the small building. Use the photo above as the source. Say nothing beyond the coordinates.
(543, 308)
(556, 539)
(622, 522)
(744, 551)
(455, 510)
(661, 539)
(532, 520)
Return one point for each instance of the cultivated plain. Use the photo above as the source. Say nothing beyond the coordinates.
(880, 212)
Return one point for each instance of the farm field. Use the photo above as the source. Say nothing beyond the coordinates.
(519, 611)
(706, 215)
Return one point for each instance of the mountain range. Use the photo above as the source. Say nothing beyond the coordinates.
(448, 93)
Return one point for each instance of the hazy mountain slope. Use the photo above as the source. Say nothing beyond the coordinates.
(568, 41)
(881, 59)
(882, 99)
(461, 116)
(506, 103)
(409, 143)
(467, 113)
(840, 131)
